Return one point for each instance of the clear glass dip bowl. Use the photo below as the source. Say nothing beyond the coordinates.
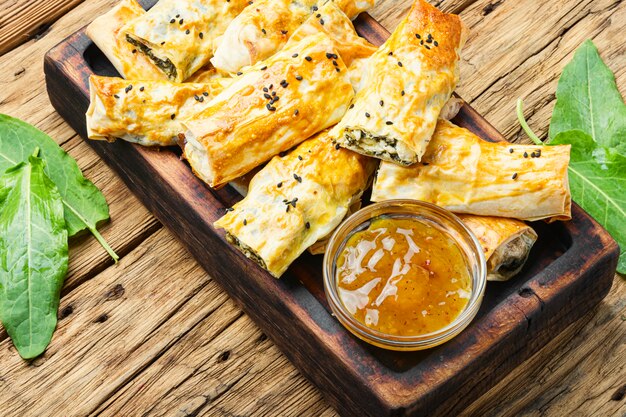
(435, 216)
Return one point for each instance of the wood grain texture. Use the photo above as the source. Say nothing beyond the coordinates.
(516, 319)
(23, 20)
(571, 375)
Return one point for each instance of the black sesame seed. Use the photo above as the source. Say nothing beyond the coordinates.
(337, 146)
(307, 225)
(294, 55)
(382, 103)
(177, 16)
(142, 88)
(322, 22)
(427, 47)
(180, 22)
(245, 222)
(265, 89)
(127, 89)
(337, 69)
(399, 63)
(525, 154)
(162, 43)
(511, 150)
(335, 63)
(389, 122)
(390, 53)
(280, 184)
(329, 55)
(239, 73)
(299, 157)
(196, 97)
(436, 43)
(417, 35)
(281, 154)
(116, 96)
(514, 176)
(204, 93)
(201, 35)
(173, 21)
(187, 32)
(251, 2)
(287, 209)
(430, 36)
(273, 93)
(367, 114)
(429, 40)
(308, 58)
(402, 93)
(200, 99)
(314, 8)
(227, 209)
(296, 112)
(173, 116)
(270, 107)
(422, 42)
(284, 32)
(264, 67)
(299, 77)
(271, 86)
(267, 96)
(134, 51)
(264, 32)
(297, 177)
(318, 15)
(351, 106)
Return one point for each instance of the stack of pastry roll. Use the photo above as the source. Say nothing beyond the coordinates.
(265, 26)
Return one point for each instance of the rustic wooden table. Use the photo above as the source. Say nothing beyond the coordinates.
(155, 335)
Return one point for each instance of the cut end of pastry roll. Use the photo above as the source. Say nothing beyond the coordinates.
(178, 35)
(409, 79)
(270, 108)
(466, 174)
(296, 211)
(105, 31)
(506, 243)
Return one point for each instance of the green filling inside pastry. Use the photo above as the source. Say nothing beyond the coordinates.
(164, 64)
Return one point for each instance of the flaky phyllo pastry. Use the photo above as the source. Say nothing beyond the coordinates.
(145, 112)
(353, 49)
(270, 108)
(295, 200)
(178, 35)
(506, 243)
(105, 31)
(408, 81)
(265, 26)
(466, 174)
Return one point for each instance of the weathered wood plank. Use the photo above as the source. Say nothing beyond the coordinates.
(22, 20)
(535, 79)
(581, 372)
(117, 324)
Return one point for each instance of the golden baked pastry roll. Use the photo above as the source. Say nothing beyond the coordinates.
(145, 112)
(353, 49)
(272, 107)
(105, 32)
(264, 27)
(178, 35)
(409, 79)
(466, 174)
(295, 200)
(506, 243)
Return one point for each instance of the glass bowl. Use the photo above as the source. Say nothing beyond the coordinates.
(435, 216)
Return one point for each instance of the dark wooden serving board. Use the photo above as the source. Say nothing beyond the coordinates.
(569, 271)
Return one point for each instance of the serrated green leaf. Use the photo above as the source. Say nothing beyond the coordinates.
(84, 205)
(597, 178)
(33, 256)
(588, 100)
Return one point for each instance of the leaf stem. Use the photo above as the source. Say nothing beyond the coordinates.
(522, 122)
(95, 234)
(36, 152)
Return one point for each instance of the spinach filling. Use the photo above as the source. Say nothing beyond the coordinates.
(366, 141)
(164, 64)
(246, 250)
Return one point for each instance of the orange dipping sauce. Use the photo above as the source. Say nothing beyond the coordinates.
(403, 276)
